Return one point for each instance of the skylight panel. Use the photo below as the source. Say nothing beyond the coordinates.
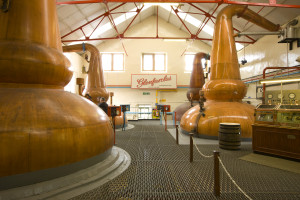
(239, 46)
(190, 19)
(107, 26)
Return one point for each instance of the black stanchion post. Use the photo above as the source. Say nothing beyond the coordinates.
(177, 139)
(114, 122)
(191, 147)
(165, 120)
(216, 173)
(123, 128)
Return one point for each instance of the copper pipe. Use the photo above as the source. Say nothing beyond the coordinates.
(96, 86)
(80, 83)
(197, 77)
(264, 76)
(225, 80)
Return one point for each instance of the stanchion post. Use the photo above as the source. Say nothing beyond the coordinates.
(166, 121)
(177, 139)
(216, 173)
(160, 117)
(114, 122)
(175, 118)
(191, 147)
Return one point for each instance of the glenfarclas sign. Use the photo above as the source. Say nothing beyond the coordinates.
(154, 81)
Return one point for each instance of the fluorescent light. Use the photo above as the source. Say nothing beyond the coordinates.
(279, 80)
(174, 40)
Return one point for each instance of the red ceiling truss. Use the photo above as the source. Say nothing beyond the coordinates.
(110, 12)
(272, 3)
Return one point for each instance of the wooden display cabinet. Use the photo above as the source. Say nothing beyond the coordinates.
(277, 130)
(276, 140)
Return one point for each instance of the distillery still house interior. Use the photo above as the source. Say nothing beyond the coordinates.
(184, 99)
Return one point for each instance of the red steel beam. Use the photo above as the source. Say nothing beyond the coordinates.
(138, 11)
(208, 16)
(143, 38)
(272, 3)
(111, 19)
(253, 40)
(176, 12)
(157, 21)
(80, 27)
(97, 26)
(137, 1)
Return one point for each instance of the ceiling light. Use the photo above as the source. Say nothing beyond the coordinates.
(161, 4)
(279, 80)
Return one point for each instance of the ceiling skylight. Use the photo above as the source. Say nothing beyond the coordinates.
(107, 26)
(190, 19)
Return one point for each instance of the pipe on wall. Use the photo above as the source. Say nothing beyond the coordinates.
(96, 86)
(264, 76)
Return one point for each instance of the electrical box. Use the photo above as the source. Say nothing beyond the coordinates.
(163, 108)
(167, 108)
(125, 107)
(114, 111)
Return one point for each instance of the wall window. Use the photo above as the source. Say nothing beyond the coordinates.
(154, 62)
(145, 112)
(189, 61)
(112, 61)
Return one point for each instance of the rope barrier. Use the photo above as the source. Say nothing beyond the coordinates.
(233, 181)
(230, 177)
(206, 156)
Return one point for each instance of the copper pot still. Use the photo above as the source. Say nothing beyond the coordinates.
(41, 125)
(224, 91)
(95, 86)
(197, 81)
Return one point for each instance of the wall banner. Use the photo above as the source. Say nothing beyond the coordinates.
(153, 81)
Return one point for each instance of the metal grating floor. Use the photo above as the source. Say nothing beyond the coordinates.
(160, 169)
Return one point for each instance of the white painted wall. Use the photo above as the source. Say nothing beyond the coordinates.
(76, 67)
(267, 52)
(135, 48)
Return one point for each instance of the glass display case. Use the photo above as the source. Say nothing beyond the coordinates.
(276, 130)
(288, 115)
(265, 114)
(282, 115)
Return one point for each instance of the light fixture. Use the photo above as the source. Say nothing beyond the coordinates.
(279, 80)
(175, 40)
(159, 4)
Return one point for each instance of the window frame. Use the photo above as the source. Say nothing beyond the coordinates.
(185, 66)
(112, 61)
(204, 67)
(153, 62)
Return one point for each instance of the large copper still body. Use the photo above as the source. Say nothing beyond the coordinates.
(225, 90)
(196, 83)
(95, 85)
(41, 125)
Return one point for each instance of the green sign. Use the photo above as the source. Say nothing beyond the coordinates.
(146, 93)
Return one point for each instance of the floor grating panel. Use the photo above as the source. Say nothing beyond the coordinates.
(160, 169)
